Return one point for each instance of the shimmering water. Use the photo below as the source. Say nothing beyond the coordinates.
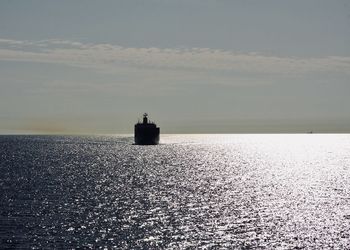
(192, 191)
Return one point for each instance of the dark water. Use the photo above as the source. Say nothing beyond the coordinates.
(208, 191)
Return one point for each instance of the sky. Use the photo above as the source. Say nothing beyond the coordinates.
(196, 66)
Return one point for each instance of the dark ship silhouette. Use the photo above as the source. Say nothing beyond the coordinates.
(146, 133)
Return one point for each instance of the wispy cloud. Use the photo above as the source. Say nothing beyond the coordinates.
(109, 56)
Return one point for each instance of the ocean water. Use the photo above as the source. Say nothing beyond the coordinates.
(191, 191)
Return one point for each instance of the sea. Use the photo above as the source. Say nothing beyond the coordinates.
(225, 191)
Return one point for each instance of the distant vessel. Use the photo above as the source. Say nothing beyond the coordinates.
(146, 133)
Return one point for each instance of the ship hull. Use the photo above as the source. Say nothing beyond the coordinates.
(145, 135)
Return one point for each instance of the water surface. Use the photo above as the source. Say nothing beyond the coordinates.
(191, 191)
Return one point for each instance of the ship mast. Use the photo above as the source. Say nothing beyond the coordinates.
(145, 119)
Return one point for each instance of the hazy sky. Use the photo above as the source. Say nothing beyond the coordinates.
(196, 66)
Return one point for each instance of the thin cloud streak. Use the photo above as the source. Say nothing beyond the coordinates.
(108, 56)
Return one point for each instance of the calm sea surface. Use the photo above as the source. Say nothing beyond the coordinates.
(192, 191)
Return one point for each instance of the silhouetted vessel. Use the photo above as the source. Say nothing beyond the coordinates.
(146, 133)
